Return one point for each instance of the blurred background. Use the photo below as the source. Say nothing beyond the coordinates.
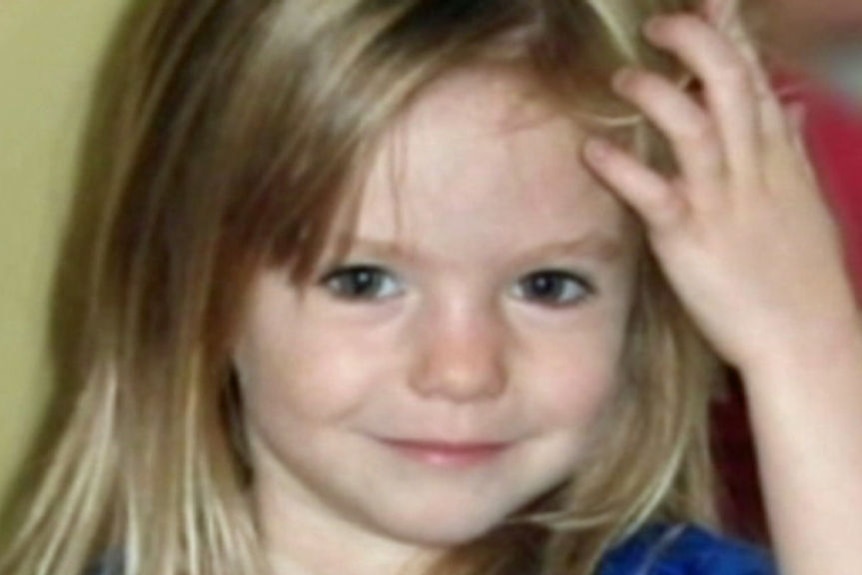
(49, 54)
(822, 37)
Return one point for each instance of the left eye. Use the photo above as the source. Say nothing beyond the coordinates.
(553, 288)
(362, 282)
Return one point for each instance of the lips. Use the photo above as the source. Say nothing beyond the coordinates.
(447, 454)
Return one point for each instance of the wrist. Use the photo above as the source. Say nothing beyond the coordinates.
(817, 349)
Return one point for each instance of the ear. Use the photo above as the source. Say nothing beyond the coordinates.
(721, 13)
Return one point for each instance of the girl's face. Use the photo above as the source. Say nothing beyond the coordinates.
(455, 364)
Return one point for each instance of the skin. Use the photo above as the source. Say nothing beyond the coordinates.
(750, 248)
(452, 341)
(741, 233)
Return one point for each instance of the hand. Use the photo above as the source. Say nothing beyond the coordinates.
(741, 231)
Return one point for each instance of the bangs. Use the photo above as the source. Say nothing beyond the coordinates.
(313, 99)
(322, 82)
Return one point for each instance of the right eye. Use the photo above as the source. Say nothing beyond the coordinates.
(362, 282)
(554, 288)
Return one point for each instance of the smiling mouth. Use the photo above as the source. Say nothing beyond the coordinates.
(447, 454)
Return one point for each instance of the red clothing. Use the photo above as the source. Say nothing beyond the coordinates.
(834, 134)
(833, 130)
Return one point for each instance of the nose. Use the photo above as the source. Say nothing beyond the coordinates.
(461, 356)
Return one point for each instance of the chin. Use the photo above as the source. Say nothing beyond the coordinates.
(444, 535)
(431, 515)
(443, 525)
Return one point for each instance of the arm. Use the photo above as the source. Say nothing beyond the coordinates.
(807, 421)
(747, 242)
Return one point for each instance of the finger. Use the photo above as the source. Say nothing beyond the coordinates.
(719, 12)
(648, 194)
(691, 132)
(726, 16)
(773, 122)
(796, 114)
(729, 88)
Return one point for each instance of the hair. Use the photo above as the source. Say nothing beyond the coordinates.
(232, 135)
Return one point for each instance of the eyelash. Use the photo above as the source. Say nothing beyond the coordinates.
(549, 288)
(564, 288)
(353, 282)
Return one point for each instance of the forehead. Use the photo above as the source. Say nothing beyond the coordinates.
(480, 157)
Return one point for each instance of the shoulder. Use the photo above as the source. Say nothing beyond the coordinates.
(686, 550)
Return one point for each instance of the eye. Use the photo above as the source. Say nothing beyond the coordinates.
(553, 288)
(362, 282)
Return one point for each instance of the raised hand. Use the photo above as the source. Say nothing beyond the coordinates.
(741, 231)
(747, 242)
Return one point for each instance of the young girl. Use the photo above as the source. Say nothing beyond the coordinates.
(432, 287)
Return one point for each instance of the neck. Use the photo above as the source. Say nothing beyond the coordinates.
(324, 551)
(305, 561)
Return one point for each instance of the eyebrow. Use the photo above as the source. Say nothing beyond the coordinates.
(597, 245)
(594, 244)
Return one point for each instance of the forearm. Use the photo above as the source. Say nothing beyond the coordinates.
(807, 416)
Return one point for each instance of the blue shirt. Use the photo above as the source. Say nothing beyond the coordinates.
(655, 550)
(685, 550)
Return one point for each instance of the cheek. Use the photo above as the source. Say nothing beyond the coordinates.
(310, 372)
(576, 374)
(578, 393)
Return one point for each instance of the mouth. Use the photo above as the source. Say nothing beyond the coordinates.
(447, 454)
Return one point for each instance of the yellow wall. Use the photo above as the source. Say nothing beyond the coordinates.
(48, 53)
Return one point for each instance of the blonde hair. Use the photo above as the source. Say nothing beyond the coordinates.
(236, 134)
